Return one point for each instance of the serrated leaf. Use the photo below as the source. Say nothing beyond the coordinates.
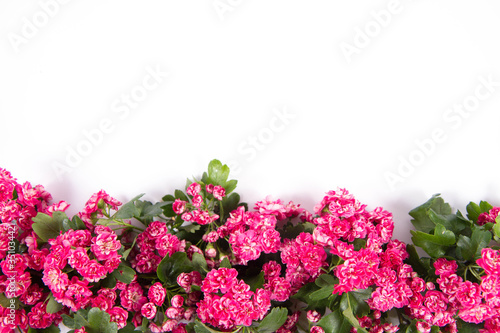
(421, 220)
(335, 322)
(199, 263)
(218, 173)
(130, 328)
(171, 266)
(52, 305)
(255, 282)
(128, 210)
(47, 227)
(451, 222)
(168, 198)
(199, 327)
(324, 280)
(415, 262)
(51, 329)
(124, 273)
(230, 203)
(323, 293)
(350, 308)
(356, 300)
(470, 248)
(230, 186)
(191, 228)
(473, 211)
(436, 244)
(225, 263)
(78, 320)
(485, 206)
(99, 322)
(181, 195)
(274, 320)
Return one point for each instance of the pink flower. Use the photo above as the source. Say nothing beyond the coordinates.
(219, 192)
(93, 271)
(280, 289)
(157, 294)
(423, 326)
(490, 261)
(445, 267)
(197, 201)
(313, 316)
(179, 206)
(168, 244)
(55, 279)
(317, 329)
(222, 278)
(132, 297)
(105, 245)
(148, 310)
(61, 206)
(193, 189)
(156, 229)
(118, 315)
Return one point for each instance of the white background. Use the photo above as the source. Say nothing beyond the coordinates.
(232, 66)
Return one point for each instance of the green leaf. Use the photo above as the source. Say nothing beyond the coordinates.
(181, 195)
(485, 207)
(325, 280)
(78, 321)
(274, 320)
(47, 227)
(421, 220)
(225, 263)
(99, 322)
(199, 327)
(80, 225)
(255, 282)
(128, 210)
(464, 327)
(356, 300)
(124, 273)
(335, 322)
(415, 262)
(51, 329)
(496, 229)
(470, 248)
(451, 222)
(435, 245)
(168, 198)
(191, 228)
(217, 172)
(130, 328)
(52, 305)
(230, 186)
(171, 266)
(304, 295)
(473, 211)
(109, 282)
(230, 203)
(324, 292)
(199, 263)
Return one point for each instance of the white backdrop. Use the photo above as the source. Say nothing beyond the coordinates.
(393, 100)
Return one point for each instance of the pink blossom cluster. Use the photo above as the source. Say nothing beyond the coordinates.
(153, 245)
(228, 302)
(196, 211)
(93, 209)
(488, 217)
(92, 256)
(250, 234)
(19, 203)
(279, 287)
(304, 260)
